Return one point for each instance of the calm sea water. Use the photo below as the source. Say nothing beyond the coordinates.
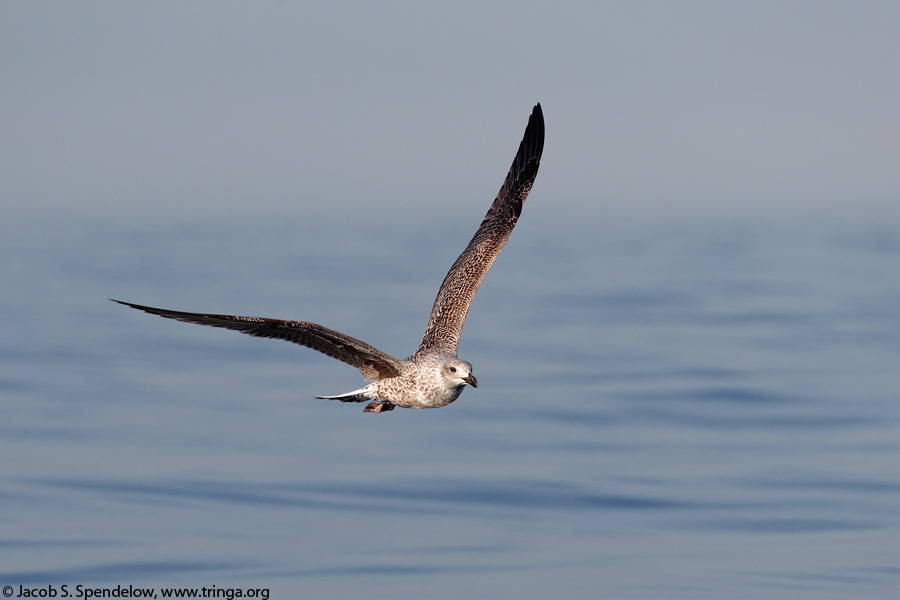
(699, 408)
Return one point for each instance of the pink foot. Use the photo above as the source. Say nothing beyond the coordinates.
(378, 407)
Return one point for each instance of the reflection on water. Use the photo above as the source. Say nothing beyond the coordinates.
(665, 410)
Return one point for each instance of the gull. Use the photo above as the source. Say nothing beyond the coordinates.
(433, 376)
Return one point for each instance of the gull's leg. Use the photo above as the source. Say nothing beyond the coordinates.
(378, 407)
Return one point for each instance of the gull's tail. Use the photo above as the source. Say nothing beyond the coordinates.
(360, 395)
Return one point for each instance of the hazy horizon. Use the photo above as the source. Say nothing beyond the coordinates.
(135, 109)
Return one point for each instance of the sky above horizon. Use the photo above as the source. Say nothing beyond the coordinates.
(274, 107)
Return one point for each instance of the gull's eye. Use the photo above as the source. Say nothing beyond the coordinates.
(453, 369)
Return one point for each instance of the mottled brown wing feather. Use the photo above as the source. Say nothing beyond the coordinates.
(459, 286)
(371, 362)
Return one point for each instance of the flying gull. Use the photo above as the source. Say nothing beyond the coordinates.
(433, 376)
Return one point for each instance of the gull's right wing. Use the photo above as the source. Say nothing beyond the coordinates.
(459, 286)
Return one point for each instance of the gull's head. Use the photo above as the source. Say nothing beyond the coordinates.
(458, 373)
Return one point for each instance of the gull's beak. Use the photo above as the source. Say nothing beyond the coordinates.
(470, 379)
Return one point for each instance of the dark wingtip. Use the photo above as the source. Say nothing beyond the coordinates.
(532, 146)
(537, 117)
(129, 304)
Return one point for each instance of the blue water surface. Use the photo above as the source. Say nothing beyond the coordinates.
(701, 407)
